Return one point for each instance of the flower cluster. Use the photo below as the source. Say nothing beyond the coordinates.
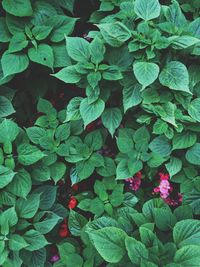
(135, 181)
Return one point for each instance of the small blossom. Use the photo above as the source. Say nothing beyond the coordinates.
(55, 258)
(134, 182)
(72, 203)
(63, 231)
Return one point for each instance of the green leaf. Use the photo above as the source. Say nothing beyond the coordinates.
(18, 42)
(21, 63)
(112, 73)
(28, 154)
(47, 196)
(6, 176)
(69, 5)
(147, 9)
(35, 134)
(90, 112)
(35, 240)
(8, 219)
(164, 219)
(111, 119)
(6, 107)
(109, 168)
(184, 140)
(76, 222)
(4, 32)
(136, 250)
(61, 58)
(110, 243)
(34, 258)
(41, 32)
(8, 131)
(68, 75)
(174, 166)
(21, 184)
(73, 112)
(27, 208)
(115, 34)
(194, 109)
(94, 140)
(187, 232)
(78, 49)
(62, 26)
(42, 11)
(131, 96)
(57, 170)
(188, 256)
(17, 242)
(48, 223)
(43, 55)
(97, 50)
(160, 145)
(19, 8)
(193, 154)
(175, 76)
(146, 73)
(123, 170)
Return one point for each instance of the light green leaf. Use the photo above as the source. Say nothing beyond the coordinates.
(193, 154)
(146, 73)
(184, 140)
(43, 55)
(27, 208)
(194, 109)
(175, 76)
(131, 96)
(17, 242)
(19, 8)
(6, 176)
(6, 107)
(68, 75)
(187, 256)
(21, 63)
(90, 112)
(111, 119)
(147, 9)
(174, 166)
(78, 49)
(35, 240)
(136, 250)
(28, 154)
(160, 145)
(110, 243)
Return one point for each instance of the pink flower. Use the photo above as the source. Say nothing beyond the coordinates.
(55, 258)
(135, 181)
(164, 188)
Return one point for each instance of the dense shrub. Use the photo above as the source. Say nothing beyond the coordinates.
(99, 133)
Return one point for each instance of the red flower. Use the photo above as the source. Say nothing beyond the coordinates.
(90, 127)
(63, 231)
(72, 203)
(75, 187)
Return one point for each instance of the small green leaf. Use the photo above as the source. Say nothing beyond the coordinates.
(43, 55)
(147, 9)
(78, 49)
(111, 119)
(28, 154)
(194, 109)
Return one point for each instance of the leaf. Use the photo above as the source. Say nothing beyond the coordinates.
(131, 96)
(17, 242)
(111, 119)
(76, 222)
(47, 196)
(184, 140)
(175, 76)
(61, 58)
(174, 166)
(108, 169)
(68, 75)
(35, 240)
(187, 232)
(147, 9)
(42, 11)
(18, 42)
(78, 49)
(164, 219)
(19, 8)
(97, 50)
(123, 170)
(94, 140)
(136, 250)
(21, 63)
(8, 131)
(6, 107)
(34, 258)
(27, 208)
(109, 242)
(35, 134)
(194, 109)
(58, 170)
(28, 154)
(43, 55)
(62, 26)
(160, 145)
(6, 176)
(21, 184)
(193, 154)
(112, 73)
(146, 73)
(188, 256)
(41, 32)
(115, 34)
(90, 112)
(4, 32)
(48, 223)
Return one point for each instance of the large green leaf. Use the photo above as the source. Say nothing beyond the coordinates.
(131, 96)
(175, 76)
(35, 240)
(27, 208)
(110, 243)
(188, 256)
(160, 145)
(174, 166)
(6, 176)
(147, 9)
(146, 73)
(194, 109)
(28, 154)
(68, 75)
(78, 48)
(187, 232)
(136, 250)
(8, 131)
(21, 63)
(20, 8)
(111, 119)
(91, 111)
(43, 54)
(6, 107)
(193, 154)
(76, 222)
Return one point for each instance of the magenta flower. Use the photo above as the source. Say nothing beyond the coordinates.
(55, 258)
(134, 182)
